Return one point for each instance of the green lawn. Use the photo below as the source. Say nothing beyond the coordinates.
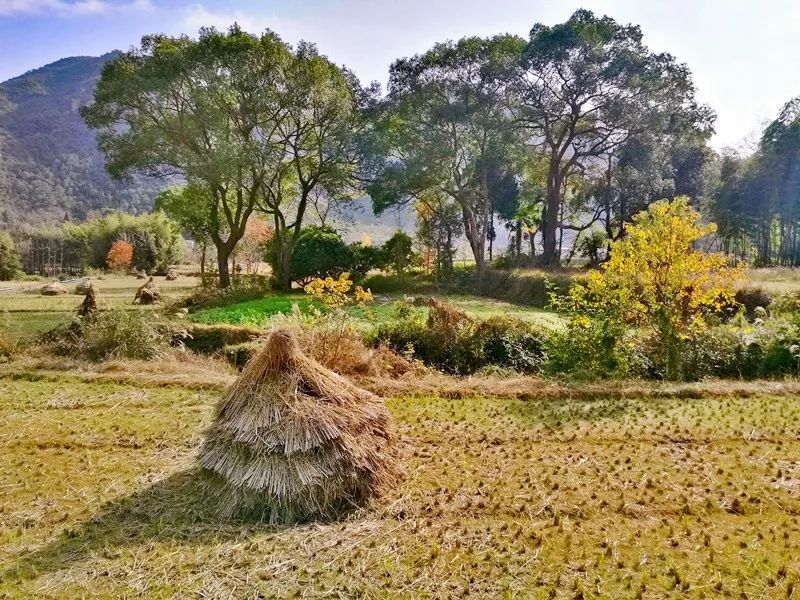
(258, 312)
(647, 497)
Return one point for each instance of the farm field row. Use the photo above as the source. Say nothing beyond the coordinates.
(501, 497)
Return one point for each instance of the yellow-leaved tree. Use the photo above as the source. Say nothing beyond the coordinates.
(656, 280)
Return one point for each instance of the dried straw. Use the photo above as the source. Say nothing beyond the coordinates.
(89, 305)
(292, 440)
(147, 293)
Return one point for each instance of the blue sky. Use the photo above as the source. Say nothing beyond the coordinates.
(745, 55)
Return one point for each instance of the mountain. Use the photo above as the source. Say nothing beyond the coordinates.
(50, 167)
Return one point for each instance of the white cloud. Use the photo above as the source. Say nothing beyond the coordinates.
(198, 15)
(70, 7)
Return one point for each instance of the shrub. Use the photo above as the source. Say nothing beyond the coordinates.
(520, 287)
(10, 265)
(453, 342)
(739, 349)
(130, 334)
(319, 252)
(242, 289)
(750, 298)
(593, 348)
(120, 256)
(411, 283)
(591, 245)
(239, 354)
(657, 281)
(208, 339)
(398, 252)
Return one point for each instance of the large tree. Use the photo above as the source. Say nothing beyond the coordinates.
(203, 109)
(318, 150)
(582, 90)
(255, 123)
(444, 128)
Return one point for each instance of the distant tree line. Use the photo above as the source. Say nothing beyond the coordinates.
(574, 130)
(156, 243)
(757, 202)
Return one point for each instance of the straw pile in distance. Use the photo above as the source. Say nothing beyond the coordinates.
(89, 305)
(53, 289)
(147, 293)
(293, 441)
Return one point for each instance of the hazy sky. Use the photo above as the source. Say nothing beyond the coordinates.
(744, 54)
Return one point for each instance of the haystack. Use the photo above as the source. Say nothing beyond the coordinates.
(89, 305)
(292, 440)
(82, 287)
(172, 275)
(53, 289)
(148, 293)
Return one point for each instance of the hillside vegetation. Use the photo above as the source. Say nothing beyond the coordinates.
(50, 166)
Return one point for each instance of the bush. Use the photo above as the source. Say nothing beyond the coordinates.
(593, 349)
(242, 289)
(416, 283)
(397, 253)
(520, 287)
(10, 265)
(319, 252)
(455, 343)
(739, 350)
(750, 298)
(239, 354)
(130, 334)
(208, 339)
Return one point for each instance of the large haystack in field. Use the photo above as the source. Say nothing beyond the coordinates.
(292, 440)
(53, 289)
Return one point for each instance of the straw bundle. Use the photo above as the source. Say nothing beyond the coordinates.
(53, 289)
(89, 305)
(82, 287)
(147, 293)
(292, 440)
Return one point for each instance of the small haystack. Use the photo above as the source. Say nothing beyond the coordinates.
(148, 293)
(53, 289)
(89, 305)
(443, 316)
(83, 287)
(292, 440)
(172, 275)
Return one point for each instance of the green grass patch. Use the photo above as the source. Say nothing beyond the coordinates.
(252, 312)
(256, 312)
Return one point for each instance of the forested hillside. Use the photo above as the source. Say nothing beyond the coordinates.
(50, 166)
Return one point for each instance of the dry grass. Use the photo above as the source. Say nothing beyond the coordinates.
(612, 498)
(775, 280)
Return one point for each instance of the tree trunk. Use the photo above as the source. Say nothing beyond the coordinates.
(223, 253)
(203, 263)
(282, 276)
(549, 256)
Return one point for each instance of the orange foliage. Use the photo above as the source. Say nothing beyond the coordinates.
(120, 256)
